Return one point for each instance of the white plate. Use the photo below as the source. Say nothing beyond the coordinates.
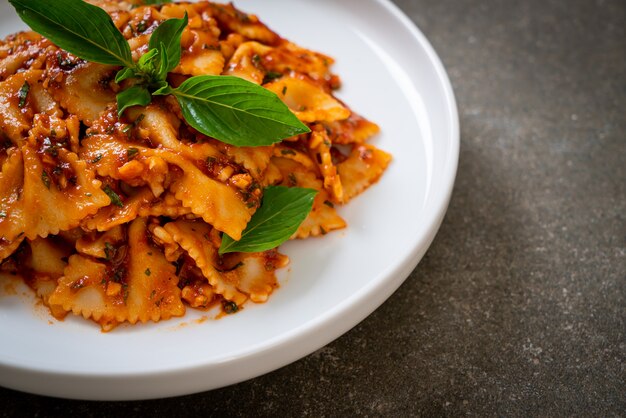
(392, 76)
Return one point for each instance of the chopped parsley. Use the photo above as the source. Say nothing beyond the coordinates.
(109, 251)
(230, 307)
(46, 179)
(141, 26)
(23, 93)
(256, 60)
(64, 63)
(115, 198)
(131, 153)
(271, 76)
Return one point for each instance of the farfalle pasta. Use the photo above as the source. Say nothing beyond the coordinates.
(118, 219)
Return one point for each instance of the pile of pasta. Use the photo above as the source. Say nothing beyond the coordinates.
(151, 253)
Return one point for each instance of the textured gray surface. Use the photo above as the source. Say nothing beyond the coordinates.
(519, 306)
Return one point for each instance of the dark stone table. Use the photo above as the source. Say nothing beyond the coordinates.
(519, 306)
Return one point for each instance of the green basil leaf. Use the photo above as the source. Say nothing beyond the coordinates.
(22, 94)
(235, 111)
(147, 63)
(282, 211)
(137, 95)
(115, 198)
(167, 37)
(164, 63)
(160, 86)
(147, 59)
(125, 73)
(78, 27)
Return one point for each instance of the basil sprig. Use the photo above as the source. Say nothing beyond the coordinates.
(236, 112)
(163, 56)
(282, 211)
(227, 108)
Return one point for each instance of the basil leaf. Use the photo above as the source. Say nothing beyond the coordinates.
(137, 95)
(282, 211)
(147, 62)
(115, 198)
(84, 30)
(235, 111)
(159, 86)
(22, 94)
(164, 63)
(125, 73)
(166, 37)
